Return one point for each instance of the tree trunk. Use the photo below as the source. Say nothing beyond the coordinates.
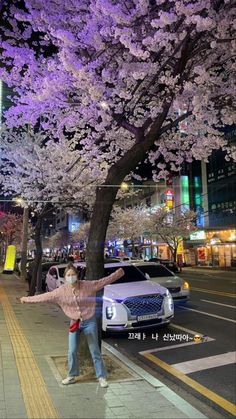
(133, 248)
(175, 254)
(24, 243)
(38, 257)
(105, 197)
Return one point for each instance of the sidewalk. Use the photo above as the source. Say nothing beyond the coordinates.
(30, 384)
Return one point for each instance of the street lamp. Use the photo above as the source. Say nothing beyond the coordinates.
(20, 201)
(124, 186)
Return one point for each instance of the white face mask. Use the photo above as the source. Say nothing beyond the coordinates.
(71, 279)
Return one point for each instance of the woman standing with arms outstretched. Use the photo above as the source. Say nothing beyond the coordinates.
(77, 299)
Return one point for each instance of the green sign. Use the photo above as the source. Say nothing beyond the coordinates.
(198, 235)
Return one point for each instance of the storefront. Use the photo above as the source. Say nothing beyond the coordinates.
(212, 248)
(153, 248)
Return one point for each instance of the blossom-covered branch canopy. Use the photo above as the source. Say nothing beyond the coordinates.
(42, 170)
(124, 72)
(171, 226)
(128, 223)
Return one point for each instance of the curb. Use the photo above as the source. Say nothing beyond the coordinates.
(165, 391)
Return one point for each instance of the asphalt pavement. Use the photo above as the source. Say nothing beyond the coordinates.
(195, 355)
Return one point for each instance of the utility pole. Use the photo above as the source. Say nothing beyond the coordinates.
(24, 242)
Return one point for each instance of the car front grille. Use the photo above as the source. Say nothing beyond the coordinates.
(174, 290)
(144, 304)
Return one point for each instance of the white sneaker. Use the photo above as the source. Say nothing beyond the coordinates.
(68, 380)
(103, 382)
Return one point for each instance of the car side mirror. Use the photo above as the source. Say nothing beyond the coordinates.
(147, 276)
(54, 276)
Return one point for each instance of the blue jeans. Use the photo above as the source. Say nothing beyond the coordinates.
(89, 328)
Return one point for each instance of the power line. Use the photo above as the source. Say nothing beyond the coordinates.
(129, 186)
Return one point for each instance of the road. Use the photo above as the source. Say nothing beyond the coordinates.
(203, 369)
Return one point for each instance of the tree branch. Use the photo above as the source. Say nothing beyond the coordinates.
(175, 122)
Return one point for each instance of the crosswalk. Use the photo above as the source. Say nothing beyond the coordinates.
(188, 363)
(205, 363)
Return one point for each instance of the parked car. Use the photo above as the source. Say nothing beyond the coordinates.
(18, 264)
(132, 302)
(158, 273)
(121, 259)
(45, 268)
(172, 266)
(17, 261)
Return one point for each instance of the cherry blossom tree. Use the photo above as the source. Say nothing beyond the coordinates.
(82, 234)
(128, 224)
(60, 239)
(11, 228)
(135, 80)
(172, 228)
(42, 171)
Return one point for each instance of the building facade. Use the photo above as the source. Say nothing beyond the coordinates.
(212, 196)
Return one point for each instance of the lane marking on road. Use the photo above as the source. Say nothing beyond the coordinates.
(192, 332)
(37, 401)
(210, 315)
(211, 395)
(219, 304)
(177, 401)
(199, 280)
(179, 345)
(207, 291)
(208, 362)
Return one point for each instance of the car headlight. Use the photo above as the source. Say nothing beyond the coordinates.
(110, 312)
(169, 300)
(170, 303)
(185, 285)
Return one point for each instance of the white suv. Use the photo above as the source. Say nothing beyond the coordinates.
(132, 302)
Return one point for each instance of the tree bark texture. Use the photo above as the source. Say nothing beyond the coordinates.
(38, 256)
(24, 243)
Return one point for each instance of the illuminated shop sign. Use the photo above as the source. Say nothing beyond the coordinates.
(198, 235)
(184, 193)
(198, 201)
(169, 198)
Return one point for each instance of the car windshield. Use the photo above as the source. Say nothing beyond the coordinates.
(61, 272)
(154, 270)
(131, 274)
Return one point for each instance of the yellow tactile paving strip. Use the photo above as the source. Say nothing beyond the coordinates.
(37, 401)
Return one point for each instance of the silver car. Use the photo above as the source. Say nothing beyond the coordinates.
(156, 272)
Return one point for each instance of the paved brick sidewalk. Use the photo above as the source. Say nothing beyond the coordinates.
(44, 327)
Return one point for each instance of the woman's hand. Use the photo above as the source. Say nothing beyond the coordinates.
(23, 300)
(120, 271)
